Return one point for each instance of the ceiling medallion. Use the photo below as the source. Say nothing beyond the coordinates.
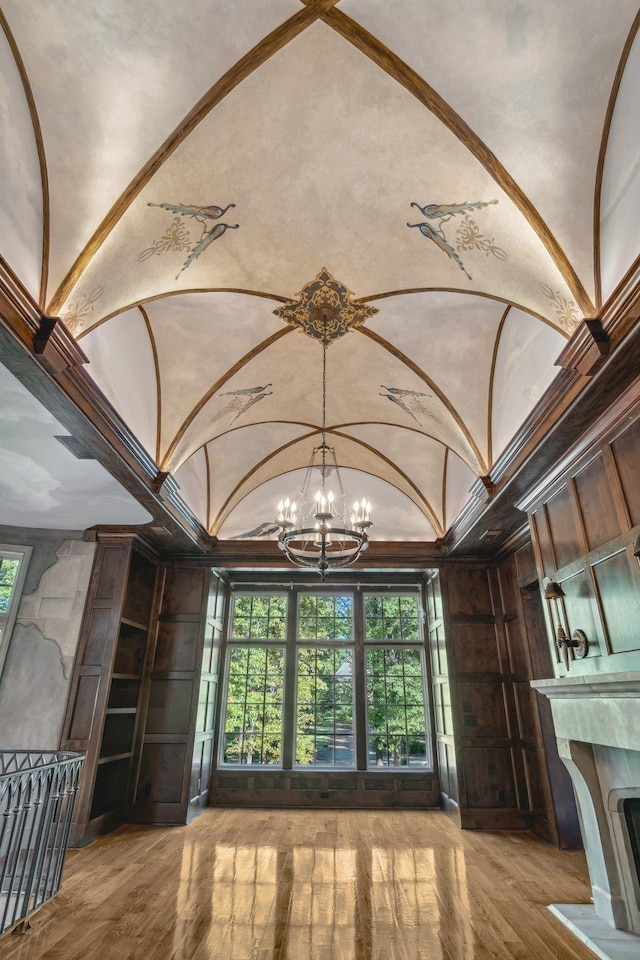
(324, 309)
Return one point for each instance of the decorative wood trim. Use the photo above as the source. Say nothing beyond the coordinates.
(42, 159)
(619, 499)
(587, 350)
(57, 347)
(494, 358)
(444, 487)
(510, 546)
(208, 476)
(426, 95)
(623, 410)
(622, 310)
(17, 307)
(156, 364)
(399, 355)
(604, 143)
(238, 365)
(247, 65)
(179, 293)
(256, 554)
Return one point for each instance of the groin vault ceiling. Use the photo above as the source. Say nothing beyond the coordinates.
(175, 175)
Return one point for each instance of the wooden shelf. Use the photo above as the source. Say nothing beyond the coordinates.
(113, 758)
(134, 624)
(114, 710)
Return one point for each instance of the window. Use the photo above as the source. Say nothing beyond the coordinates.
(396, 710)
(324, 691)
(255, 681)
(13, 565)
(300, 679)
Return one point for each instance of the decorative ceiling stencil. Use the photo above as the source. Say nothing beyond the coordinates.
(467, 236)
(324, 309)
(177, 236)
(202, 162)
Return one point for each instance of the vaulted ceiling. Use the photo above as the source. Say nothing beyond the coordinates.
(175, 173)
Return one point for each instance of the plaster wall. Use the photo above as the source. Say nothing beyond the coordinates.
(35, 681)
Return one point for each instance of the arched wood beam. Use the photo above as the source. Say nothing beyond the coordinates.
(42, 160)
(604, 143)
(177, 293)
(496, 345)
(156, 364)
(238, 365)
(388, 61)
(258, 55)
(468, 293)
(399, 355)
(426, 509)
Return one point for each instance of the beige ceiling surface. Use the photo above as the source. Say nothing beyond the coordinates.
(191, 167)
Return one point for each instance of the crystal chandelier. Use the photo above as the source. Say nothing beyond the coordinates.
(314, 531)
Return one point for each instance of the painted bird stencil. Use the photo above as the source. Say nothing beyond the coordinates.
(409, 401)
(204, 215)
(241, 401)
(442, 213)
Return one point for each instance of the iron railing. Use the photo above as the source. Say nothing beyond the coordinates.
(37, 794)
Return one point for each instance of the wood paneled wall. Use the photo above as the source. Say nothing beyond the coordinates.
(547, 793)
(164, 779)
(583, 525)
(496, 753)
(481, 768)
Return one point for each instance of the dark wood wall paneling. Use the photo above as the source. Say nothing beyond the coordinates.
(164, 788)
(496, 750)
(547, 794)
(143, 693)
(107, 697)
(480, 768)
(583, 526)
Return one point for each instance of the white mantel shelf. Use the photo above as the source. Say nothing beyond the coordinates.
(587, 687)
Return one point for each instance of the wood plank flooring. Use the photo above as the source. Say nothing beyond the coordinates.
(309, 885)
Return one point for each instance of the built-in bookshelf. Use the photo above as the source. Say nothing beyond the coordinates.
(107, 694)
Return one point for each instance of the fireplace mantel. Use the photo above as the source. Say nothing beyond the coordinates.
(597, 724)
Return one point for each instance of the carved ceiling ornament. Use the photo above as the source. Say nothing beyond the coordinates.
(324, 309)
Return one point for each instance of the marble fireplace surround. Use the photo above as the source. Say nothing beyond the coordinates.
(597, 725)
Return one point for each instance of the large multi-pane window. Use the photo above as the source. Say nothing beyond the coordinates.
(396, 714)
(299, 674)
(324, 688)
(255, 681)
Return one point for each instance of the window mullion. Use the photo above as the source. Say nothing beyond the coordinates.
(289, 705)
(359, 682)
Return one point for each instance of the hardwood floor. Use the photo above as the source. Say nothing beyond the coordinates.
(309, 885)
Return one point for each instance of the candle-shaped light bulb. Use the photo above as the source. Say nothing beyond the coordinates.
(330, 496)
(318, 495)
(280, 506)
(294, 507)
